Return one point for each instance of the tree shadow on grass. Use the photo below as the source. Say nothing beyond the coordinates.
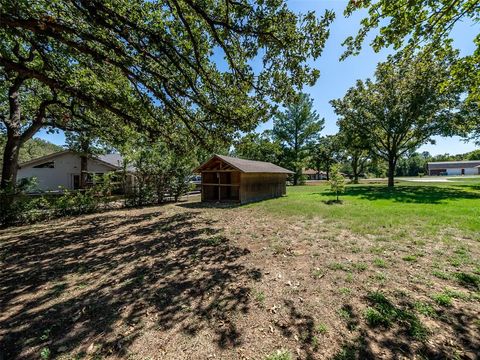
(406, 336)
(95, 284)
(301, 325)
(413, 194)
(209, 205)
(333, 202)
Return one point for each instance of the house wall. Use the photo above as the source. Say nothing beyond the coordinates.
(316, 177)
(260, 186)
(436, 172)
(66, 165)
(455, 171)
(458, 171)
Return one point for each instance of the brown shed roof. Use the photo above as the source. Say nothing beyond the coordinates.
(249, 166)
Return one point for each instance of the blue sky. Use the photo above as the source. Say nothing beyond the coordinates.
(336, 77)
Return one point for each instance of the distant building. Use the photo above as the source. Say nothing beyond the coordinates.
(62, 169)
(314, 174)
(471, 167)
(228, 179)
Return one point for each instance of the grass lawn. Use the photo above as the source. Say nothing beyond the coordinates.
(386, 274)
(407, 211)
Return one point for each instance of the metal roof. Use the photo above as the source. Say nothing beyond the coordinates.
(249, 166)
(454, 164)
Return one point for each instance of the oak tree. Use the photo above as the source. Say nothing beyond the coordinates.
(407, 25)
(171, 68)
(403, 107)
(324, 153)
(261, 147)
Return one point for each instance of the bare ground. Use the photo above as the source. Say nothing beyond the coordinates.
(191, 282)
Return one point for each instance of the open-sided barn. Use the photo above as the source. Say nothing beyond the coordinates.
(229, 179)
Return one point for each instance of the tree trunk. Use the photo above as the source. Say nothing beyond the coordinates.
(296, 150)
(12, 147)
(392, 162)
(84, 153)
(10, 161)
(295, 178)
(83, 170)
(355, 169)
(160, 190)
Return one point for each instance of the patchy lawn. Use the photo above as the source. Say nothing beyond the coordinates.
(386, 274)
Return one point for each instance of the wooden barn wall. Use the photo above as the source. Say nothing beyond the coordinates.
(259, 186)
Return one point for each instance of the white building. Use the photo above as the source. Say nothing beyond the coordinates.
(467, 167)
(62, 169)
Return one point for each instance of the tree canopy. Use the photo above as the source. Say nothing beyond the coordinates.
(356, 149)
(261, 147)
(174, 69)
(410, 24)
(296, 129)
(168, 54)
(325, 152)
(32, 149)
(403, 107)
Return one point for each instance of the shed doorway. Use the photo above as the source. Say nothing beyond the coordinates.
(220, 182)
(221, 185)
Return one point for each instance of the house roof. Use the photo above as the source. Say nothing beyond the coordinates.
(453, 164)
(44, 158)
(115, 160)
(248, 166)
(102, 159)
(312, 172)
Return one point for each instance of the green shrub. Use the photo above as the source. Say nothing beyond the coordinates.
(45, 353)
(280, 355)
(19, 207)
(337, 181)
(469, 280)
(443, 299)
(384, 313)
(376, 318)
(380, 263)
(321, 328)
(410, 258)
(16, 206)
(425, 309)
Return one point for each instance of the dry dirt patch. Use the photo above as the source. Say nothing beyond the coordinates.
(192, 282)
